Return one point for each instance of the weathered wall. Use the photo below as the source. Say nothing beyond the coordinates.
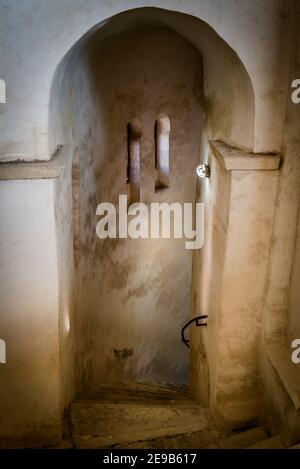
(222, 70)
(63, 203)
(259, 32)
(280, 306)
(208, 271)
(230, 274)
(240, 322)
(294, 320)
(30, 380)
(282, 301)
(90, 134)
(133, 295)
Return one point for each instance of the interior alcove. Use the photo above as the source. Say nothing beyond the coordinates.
(126, 300)
(162, 130)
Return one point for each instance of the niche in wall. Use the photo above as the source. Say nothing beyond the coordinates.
(162, 152)
(133, 160)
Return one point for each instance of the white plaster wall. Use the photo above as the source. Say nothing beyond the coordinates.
(44, 31)
(29, 381)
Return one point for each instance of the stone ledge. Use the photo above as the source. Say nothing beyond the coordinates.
(287, 371)
(282, 394)
(233, 159)
(51, 169)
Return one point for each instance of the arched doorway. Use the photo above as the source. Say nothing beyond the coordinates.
(134, 295)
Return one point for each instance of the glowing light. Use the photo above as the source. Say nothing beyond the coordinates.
(203, 171)
(67, 323)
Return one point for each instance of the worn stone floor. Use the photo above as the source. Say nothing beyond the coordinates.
(151, 417)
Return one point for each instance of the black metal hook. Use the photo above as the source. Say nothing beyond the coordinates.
(197, 320)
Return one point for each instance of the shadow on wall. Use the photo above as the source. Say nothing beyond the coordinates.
(133, 296)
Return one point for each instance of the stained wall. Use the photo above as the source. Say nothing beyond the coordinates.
(133, 295)
(261, 36)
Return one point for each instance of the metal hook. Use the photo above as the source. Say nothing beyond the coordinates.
(197, 320)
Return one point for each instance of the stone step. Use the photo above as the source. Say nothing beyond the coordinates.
(192, 440)
(273, 442)
(241, 439)
(137, 392)
(102, 424)
(282, 394)
(295, 446)
(150, 416)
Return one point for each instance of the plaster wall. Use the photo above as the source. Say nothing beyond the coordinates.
(282, 301)
(230, 275)
(132, 295)
(66, 280)
(44, 31)
(29, 381)
(208, 272)
(281, 297)
(294, 320)
(239, 372)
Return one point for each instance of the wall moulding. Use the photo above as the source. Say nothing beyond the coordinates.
(233, 159)
(51, 169)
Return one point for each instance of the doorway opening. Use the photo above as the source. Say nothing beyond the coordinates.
(147, 95)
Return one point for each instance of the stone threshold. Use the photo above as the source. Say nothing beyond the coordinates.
(52, 169)
(234, 159)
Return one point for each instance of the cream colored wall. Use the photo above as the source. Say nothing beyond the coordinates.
(229, 284)
(219, 110)
(63, 203)
(208, 275)
(240, 322)
(133, 295)
(44, 31)
(258, 31)
(30, 380)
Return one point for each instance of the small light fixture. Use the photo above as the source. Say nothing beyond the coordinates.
(203, 171)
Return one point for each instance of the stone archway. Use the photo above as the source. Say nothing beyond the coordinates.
(226, 116)
(241, 278)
